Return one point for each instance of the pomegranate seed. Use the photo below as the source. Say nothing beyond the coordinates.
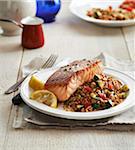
(87, 88)
(103, 96)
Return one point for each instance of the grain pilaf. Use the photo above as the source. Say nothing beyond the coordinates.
(101, 93)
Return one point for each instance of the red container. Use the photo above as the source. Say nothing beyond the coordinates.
(32, 34)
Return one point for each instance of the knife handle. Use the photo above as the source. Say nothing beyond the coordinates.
(17, 100)
(14, 87)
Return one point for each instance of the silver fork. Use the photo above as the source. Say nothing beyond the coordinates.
(48, 63)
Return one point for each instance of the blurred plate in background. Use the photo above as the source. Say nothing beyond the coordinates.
(81, 9)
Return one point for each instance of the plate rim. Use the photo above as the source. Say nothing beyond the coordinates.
(68, 115)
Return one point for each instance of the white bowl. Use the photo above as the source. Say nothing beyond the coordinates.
(9, 29)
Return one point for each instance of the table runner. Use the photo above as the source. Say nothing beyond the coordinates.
(25, 117)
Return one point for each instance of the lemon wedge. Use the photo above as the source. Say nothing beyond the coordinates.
(36, 84)
(45, 96)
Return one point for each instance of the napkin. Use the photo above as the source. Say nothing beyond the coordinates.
(26, 117)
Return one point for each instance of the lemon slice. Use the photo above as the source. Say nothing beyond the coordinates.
(45, 96)
(36, 84)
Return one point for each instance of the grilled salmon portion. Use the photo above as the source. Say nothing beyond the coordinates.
(64, 82)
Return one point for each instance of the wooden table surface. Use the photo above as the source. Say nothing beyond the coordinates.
(69, 37)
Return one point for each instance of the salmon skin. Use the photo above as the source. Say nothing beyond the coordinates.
(64, 82)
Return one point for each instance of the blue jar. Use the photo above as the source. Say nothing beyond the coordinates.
(48, 9)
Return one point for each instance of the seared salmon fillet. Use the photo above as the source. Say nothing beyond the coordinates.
(64, 82)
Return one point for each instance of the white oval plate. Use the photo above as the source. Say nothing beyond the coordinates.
(81, 10)
(59, 112)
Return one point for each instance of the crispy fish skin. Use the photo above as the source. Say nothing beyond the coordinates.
(64, 82)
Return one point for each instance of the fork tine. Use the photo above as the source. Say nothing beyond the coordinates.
(50, 61)
(53, 61)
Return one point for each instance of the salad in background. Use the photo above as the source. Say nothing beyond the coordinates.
(125, 11)
(128, 5)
